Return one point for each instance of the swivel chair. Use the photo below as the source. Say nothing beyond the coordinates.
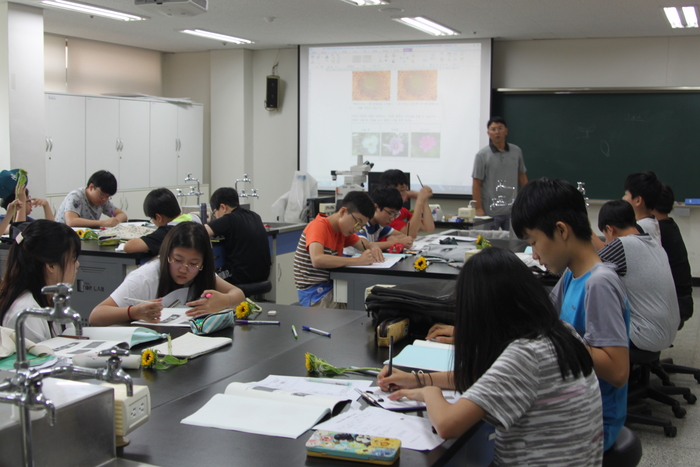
(626, 452)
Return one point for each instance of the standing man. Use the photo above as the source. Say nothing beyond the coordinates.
(499, 170)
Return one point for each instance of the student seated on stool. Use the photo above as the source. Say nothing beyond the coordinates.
(551, 216)
(642, 191)
(162, 208)
(643, 267)
(387, 206)
(84, 207)
(321, 246)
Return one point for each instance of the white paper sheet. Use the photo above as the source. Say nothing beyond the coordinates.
(169, 317)
(189, 346)
(68, 348)
(317, 386)
(405, 404)
(414, 432)
(251, 415)
(389, 261)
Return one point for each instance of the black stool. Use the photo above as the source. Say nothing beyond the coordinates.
(626, 452)
(255, 289)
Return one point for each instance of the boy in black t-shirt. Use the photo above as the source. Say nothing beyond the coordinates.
(245, 239)
(162, 208)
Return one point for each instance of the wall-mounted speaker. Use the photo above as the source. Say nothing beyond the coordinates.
(272, 92)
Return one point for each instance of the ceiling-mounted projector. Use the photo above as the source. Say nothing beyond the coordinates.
(174, 7)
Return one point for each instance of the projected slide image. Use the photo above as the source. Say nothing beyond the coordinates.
(395, 144)
(371, 85)
(417, 85)
(365, 144)
(425, 145)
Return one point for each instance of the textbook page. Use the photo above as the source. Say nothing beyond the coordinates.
(414, 432)
(389, 261)
(68, 348)
(258, 416)
(256, 391)
(406, 405)
(334, 387)
(170, 317)
(129, 334)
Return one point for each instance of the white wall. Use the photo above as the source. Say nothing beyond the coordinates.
(99, 67)
(189, 75)
(25, 61)
(275, 133)
(624, 63)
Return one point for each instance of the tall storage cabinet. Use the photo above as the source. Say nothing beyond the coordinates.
(117, 139)
(145, 143)
(177, 134)
(65, 143)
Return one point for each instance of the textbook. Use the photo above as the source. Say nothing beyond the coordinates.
(189, 346)
(251, 408)
(426, 355)
(96, 339)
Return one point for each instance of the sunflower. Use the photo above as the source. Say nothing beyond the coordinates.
(420, 264)
(242, 310)
(316, 364)
(482, 243)
(309, 363)
(148, 358)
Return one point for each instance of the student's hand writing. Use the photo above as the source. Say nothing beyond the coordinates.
(110, 222)
(365, 259)
(417, 394)
(147, 311)
(398, 380)
(441, 333)
(377, 254)
(406, 240)
(215, 302)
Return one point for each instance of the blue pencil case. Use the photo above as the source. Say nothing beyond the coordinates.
(206, 324)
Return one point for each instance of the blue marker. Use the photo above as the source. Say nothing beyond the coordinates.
(316, 331)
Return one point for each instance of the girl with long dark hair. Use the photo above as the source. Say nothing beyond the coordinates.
(186, 260)
(45, 253)
(518, 366)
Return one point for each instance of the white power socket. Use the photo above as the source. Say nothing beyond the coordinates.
(130, 412)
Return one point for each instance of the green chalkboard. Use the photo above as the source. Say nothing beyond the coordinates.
(601, 138)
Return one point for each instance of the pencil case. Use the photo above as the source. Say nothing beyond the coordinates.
(206, 324)
(353, 447)
(396, 327)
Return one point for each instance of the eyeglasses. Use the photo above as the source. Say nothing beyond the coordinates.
(190, 267)
(358, 224)
(392, 215)
(104, 196)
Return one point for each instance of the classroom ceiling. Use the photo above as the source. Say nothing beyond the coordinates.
(284, 23)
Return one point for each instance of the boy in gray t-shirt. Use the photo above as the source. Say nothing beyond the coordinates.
(84, 207)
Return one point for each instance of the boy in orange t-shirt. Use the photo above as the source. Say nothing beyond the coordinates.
(321, 246)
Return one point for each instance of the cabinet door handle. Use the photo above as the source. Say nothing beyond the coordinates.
(116, 145)
(279, 272)
(46, 140)
(50, 144)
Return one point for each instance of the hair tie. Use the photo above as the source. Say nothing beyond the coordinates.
(19, 238)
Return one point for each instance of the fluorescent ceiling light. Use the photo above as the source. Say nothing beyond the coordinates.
(216, 36)
(366, 2)
(92, 10)
(427, 26)
(691, 18)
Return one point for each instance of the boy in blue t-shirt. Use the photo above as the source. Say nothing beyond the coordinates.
(551, 216)
(387, 206)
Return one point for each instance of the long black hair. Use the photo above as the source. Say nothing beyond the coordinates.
(187, 235)
(498, 301)
(42, 242)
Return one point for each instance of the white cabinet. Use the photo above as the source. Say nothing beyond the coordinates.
(65, 143)
(285, 290)
(117, 140)
(177, 139)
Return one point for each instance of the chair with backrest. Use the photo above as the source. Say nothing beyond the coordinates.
(255, 290)
(645, 362)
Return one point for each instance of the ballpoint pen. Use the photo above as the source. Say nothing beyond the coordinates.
(316, 331)
(391, 355)
(294, 330)
(419, 180)
(370, 400)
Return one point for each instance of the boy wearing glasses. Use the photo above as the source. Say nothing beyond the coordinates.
(321, 246)
(84, 207)
(387, 207)
(407, 222)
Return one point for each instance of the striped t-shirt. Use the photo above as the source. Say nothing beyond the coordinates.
(320, 231)
(540, 419)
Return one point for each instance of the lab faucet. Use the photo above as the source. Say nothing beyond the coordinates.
(192, 192)
(242, 193)
(24, 388)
